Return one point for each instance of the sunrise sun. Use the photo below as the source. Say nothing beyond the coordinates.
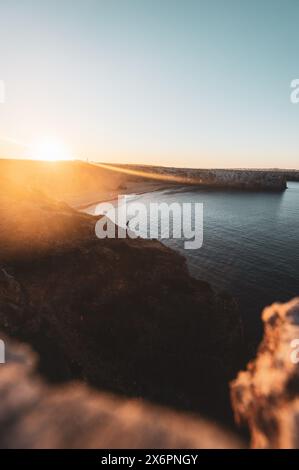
(49, 149)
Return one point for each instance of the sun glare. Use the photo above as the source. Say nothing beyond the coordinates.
(50, 150)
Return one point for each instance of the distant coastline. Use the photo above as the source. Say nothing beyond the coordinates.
(257, 180)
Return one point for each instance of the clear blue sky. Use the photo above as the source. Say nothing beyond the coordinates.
(201, 83)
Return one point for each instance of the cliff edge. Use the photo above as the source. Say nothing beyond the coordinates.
(122, 315)
(245, 179)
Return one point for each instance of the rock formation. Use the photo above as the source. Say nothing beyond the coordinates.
(266, 396)
(264, 180)
(291, 175)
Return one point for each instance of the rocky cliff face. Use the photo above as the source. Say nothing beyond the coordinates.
(122, 315)
(216, 178)
(291, 175)
(266, 395)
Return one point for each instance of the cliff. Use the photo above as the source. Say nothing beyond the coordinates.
(122, 315)
(266, 396)
(126, 317)
(266, 180)
(291, 175)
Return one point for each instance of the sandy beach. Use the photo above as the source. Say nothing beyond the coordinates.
(82, 201)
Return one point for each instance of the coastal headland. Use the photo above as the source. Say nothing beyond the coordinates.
(122, 316)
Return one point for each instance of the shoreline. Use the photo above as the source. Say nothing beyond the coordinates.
(148, 187)
(132, 188)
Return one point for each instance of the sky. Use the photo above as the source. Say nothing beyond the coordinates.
(190, 83)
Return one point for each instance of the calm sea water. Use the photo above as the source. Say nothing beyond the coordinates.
(250, 248)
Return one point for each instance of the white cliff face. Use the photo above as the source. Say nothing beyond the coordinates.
(240, 179)
(266, 395)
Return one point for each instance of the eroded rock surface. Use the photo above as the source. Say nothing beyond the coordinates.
(266, 395)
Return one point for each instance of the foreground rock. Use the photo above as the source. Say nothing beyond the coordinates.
(34, 415)
(122, 315)
(266, 396)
